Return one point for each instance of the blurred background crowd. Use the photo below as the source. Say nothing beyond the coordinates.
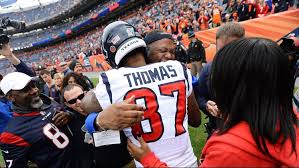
(176, 17)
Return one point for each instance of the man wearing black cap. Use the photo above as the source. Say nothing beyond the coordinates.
(160, 45)
(77, 67)
(196, 54)
(39, 80)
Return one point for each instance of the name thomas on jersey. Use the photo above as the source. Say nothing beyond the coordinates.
(151, 75)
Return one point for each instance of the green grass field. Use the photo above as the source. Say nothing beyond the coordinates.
(1, 160)
(197, 135)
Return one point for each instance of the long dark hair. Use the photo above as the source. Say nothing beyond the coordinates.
(78, 79)
(251, 81)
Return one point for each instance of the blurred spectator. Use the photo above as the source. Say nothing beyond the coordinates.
(49, 88)
(77, 68)
(58, 77)
(41, 12)
(242, 10)
(176, 17)
(203, 20)
(64, 68)
(281, 5)
(261, 8)
(40, 83)
(216, 15)
(196, 53)
(73, 78)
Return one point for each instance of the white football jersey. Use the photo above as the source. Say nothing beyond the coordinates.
(163, 88)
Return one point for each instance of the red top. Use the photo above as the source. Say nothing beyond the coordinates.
(150, 160)
(237, 148)
(261, 10)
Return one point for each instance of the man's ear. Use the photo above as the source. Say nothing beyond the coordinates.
(64, 101)
(10, 96)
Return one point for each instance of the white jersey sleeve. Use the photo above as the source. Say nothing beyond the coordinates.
(188, 79)
(103, 92)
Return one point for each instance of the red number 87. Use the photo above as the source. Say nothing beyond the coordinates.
(152, 105)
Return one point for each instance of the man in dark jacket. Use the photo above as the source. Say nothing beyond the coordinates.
(281, 5)
(242, 10)
(5, 104)
(37, 130)
(225, 34)
(106, 156)
(81, 147)
(64, 68)
(196, 54)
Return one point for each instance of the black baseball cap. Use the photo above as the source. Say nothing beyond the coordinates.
(156, 35)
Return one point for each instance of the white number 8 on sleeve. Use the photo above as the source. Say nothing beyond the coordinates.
(58, 138)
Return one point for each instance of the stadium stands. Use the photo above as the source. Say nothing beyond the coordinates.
(176, 17)
(26, 39)
(41, 12)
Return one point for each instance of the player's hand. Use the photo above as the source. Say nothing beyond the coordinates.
(61, 118)
(213, 109)
(138, 152)
(6, 51)
(121, 115)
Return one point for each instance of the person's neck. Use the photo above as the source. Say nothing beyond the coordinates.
(23, 109)
(79, 73)
(57, 87)
(49, 84)
(136, 61)
(65, 70)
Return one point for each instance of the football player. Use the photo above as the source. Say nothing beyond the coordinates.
(165, 89)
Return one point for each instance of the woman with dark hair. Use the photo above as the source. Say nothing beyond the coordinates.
(251, 83)
(72, 78)
(77, 67)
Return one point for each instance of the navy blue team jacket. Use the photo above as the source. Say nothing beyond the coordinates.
(32, 136)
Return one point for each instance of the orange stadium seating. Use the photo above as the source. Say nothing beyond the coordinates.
(273, 26)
